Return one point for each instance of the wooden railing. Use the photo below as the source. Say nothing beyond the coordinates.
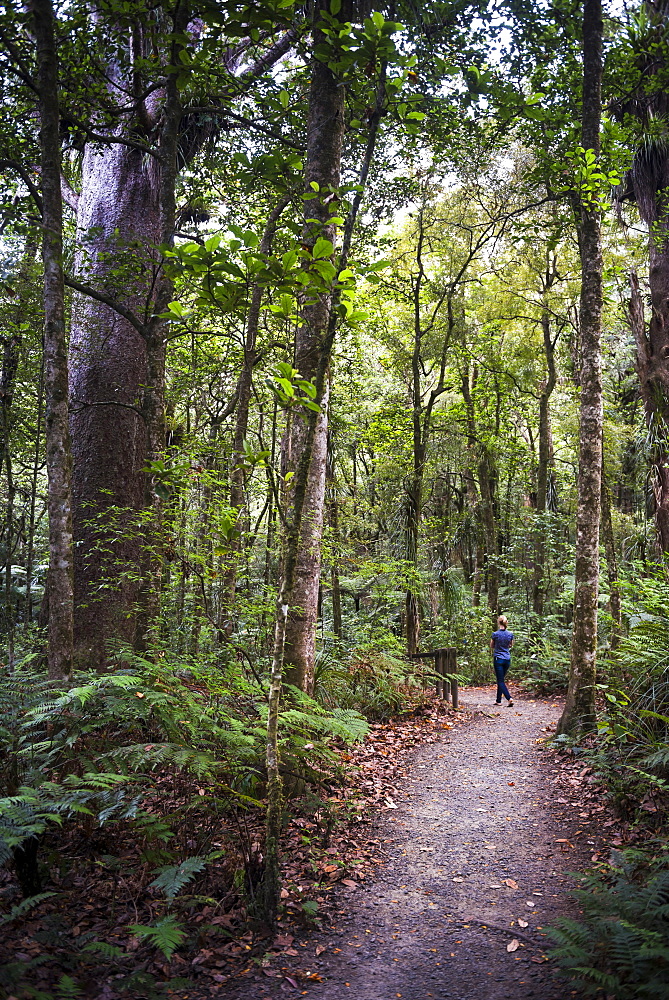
(445, 670)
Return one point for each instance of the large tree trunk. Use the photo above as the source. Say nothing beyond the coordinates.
(126, 211)
(579, 711)
(647, 184)
(652, 352)
(58, 454)
(325, 129)
(118, 219)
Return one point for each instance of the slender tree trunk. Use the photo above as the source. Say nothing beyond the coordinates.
(480, 488)
(325, 129)
(579, 711)
(611, 564)
(543, 471)
(9, 614)
(333, 513)
(30, 554)
(323, 98)
(243, 401)
(58, 451)
(487, 485)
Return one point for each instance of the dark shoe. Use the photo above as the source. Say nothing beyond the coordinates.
(510, 705)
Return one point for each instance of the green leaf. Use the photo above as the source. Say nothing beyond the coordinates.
(165, 934)
(173, 878)
(322, 248)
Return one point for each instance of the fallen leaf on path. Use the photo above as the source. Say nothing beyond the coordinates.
(529, 903)
(513, 945)
(320, 948)
(457, 880)
(351, 884)
(512, 884)
(291, 981)
(283, 940)
(523, 923)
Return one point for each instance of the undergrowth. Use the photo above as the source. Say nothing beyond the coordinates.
(620, 946)
(148, 780)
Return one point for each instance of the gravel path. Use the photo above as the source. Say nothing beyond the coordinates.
(479, 809)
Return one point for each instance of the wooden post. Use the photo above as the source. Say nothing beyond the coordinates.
(452, 668)
(439, 684)
(444, 672)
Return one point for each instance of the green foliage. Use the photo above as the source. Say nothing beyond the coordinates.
(166, 934)
(172, 878)
(621, 944)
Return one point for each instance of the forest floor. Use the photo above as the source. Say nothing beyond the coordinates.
(480, 843)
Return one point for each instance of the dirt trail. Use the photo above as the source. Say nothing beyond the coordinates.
(478, 808)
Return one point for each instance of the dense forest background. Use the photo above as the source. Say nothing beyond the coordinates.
(329, 332)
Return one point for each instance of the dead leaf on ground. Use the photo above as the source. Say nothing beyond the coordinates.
(523, 923)
(512, 884)
(513, 945)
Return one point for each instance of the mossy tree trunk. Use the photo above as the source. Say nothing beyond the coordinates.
(579, 712)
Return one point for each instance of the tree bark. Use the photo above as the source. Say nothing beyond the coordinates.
(322, 93)
(58, 450)
(652, 351)
(125, 212)
(611, 564)
(481, 477)
(333, 516)
(325, 129)
(647, 184)
(579, 711)
(544, 467)
(243, 400)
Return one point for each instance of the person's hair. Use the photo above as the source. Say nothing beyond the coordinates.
(501, 621)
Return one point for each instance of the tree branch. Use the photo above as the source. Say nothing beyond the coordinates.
(69, 195)
(25, 177)
(107, 300)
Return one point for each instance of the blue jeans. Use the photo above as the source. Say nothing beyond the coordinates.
(501, 667)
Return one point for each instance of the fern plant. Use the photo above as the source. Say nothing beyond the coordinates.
(166, 934)
(621, 944)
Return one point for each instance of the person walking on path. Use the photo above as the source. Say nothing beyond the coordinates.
(501, 643)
